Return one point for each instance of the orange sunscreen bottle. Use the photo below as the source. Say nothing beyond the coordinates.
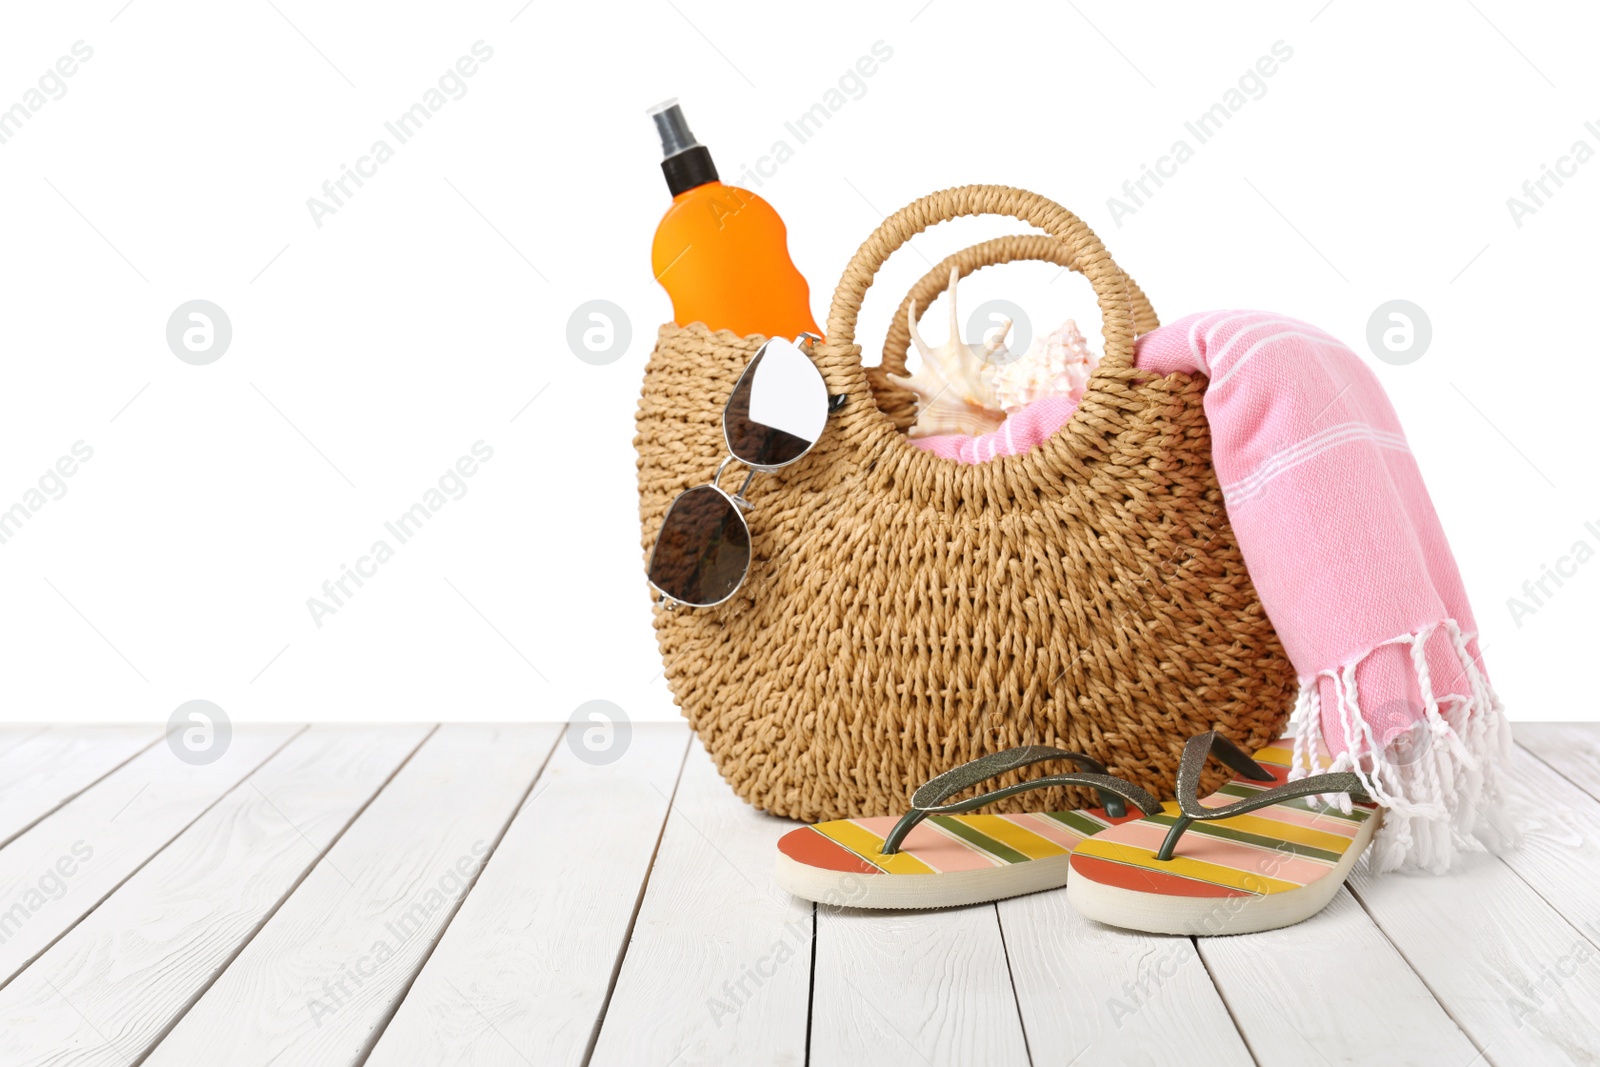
(721, 252)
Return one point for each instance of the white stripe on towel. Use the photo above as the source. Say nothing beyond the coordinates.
(1269, 467)
(1261, 319)
(1251, 486)
(1259, 345)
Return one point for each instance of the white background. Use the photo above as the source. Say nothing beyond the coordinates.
(368, 354)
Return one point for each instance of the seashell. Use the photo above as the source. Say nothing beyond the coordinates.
(954, 385)
(1058, 364)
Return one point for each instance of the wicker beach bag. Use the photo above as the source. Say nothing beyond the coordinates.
(904, 613)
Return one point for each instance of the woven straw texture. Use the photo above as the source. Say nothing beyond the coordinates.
(904, 613)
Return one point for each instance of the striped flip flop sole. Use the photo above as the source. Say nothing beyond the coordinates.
(945, 861)
(1272, 867)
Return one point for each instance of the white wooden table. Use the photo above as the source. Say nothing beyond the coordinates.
(484, 895)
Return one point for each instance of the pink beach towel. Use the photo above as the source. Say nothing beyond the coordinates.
(1018, 434)
(1353, 568)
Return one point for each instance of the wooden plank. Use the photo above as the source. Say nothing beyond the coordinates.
(1572, 748)
(522, 973)
(1515, 976)
(107, 991)
(1558, 853)
(59, 870)
(325, 973)
(1094, 994)
(43, 772)
(913, 987)
(1331, 990)
(13, 734)
(719, 964)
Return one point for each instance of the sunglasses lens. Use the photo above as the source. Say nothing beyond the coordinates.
(703, 549)
(778, 409)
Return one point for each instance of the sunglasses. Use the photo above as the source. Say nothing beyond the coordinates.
(775, 414)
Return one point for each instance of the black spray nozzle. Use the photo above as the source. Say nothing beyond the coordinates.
(685, 161)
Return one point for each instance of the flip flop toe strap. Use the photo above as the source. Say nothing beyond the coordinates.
(1211, 743)
(929, 798)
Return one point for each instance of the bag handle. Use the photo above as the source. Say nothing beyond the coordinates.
(1113, 289)
(990, 253)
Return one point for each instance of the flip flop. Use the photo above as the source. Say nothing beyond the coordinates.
(937, 857)
(1259, 854)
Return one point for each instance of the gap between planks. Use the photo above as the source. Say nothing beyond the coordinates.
(54, 767)
(322, 854)
(545, 982)
(450, 916)
(85, 817)
(633, 917)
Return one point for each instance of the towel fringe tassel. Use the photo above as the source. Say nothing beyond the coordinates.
(1438, 781)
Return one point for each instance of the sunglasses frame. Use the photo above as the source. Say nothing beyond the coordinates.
(809, 351)
(740, 504)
